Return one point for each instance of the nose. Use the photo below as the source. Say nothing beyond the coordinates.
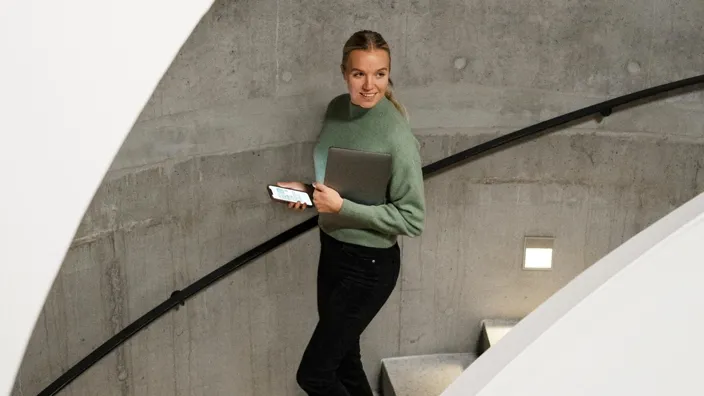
(367, 83)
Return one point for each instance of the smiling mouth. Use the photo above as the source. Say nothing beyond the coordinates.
(367, 95)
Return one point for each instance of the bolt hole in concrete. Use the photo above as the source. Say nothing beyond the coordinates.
(460, 63)
(633, 67)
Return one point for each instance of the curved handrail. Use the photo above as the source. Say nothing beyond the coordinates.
(179, 297)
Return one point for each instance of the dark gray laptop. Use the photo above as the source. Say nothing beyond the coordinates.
(359, 176)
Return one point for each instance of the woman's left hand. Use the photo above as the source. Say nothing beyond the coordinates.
(326, 200)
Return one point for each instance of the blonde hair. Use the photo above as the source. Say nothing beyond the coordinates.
(368, 40)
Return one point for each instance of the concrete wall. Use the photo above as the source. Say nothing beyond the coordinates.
(241, 106)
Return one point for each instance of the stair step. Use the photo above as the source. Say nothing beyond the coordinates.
(493, 330)
(422, 375)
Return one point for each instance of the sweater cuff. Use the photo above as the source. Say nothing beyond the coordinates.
(352, 210)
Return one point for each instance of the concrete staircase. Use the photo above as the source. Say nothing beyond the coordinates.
(430, 375)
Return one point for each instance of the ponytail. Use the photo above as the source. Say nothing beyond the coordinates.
(390, 96)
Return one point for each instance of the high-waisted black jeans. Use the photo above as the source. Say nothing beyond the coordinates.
(354, 282)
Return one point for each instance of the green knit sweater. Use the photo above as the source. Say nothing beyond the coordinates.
(379, 129)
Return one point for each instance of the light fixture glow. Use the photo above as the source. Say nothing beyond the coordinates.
(537, 253)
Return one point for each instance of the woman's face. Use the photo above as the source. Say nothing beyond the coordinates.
(367, 76)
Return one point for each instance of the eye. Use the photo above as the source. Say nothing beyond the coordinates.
(381, 74)
(357, 74)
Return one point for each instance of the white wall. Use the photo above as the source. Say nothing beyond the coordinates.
(75, 74)
(632, 324)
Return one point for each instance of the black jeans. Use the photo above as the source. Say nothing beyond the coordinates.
(354, 282)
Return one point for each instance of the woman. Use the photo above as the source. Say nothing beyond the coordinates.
(359, 267)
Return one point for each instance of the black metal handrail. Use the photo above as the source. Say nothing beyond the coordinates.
(179, 297)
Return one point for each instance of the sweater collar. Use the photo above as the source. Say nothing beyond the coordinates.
(356, 111)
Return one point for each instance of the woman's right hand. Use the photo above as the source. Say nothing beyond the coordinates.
(299, 206)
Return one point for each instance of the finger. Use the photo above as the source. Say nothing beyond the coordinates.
(319, 187)
(290, 205)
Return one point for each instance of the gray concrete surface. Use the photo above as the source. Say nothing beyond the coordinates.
(241, 105)
(424, 375)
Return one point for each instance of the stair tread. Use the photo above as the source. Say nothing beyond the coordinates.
(425, 375)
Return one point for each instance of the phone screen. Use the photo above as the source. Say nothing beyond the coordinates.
(286, 194)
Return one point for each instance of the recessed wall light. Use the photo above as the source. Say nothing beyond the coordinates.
(537, 253)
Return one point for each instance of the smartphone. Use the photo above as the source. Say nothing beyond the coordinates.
(283, 194)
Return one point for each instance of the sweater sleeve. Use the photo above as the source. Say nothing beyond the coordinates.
(404, 214)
